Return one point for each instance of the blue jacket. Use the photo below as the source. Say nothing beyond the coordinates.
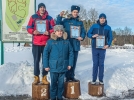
(58, 54)
(101, 30)
(67, 22)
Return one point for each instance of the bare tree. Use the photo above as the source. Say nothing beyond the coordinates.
(92, 14)
(82, 13)
(119, 34)
(124, 36)
(126, 33)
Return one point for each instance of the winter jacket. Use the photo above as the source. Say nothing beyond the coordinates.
(31, 27)
(103, 29)
(67, 22)
(58, 54)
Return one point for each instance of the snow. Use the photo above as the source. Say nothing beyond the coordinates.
(17, 73)
(16, 78)
(18, 54)
(131, 45)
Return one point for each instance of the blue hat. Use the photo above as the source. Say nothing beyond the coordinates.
(73, 7)
(102, 15)
(40, 5)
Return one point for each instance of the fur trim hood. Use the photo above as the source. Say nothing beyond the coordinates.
(54, 37)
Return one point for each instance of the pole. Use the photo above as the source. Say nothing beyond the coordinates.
(2, 45)
(35, 5)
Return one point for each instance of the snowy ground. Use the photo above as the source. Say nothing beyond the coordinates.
(16, 75)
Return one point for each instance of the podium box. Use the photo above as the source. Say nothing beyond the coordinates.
(96, 89)
(72, 90)
(40, 92)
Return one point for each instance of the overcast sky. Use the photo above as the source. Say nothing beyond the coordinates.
(120, 13)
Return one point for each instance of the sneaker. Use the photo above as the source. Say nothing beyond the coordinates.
(93, 82)
(101, 82)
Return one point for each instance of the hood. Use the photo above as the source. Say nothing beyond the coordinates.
(54, 37)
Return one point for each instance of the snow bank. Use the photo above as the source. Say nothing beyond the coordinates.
(16, 78)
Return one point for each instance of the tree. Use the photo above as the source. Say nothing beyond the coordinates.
(92, 14)
(85, 24)
(114, 34)
(89, 24)
(82, 13)
(124, 36)
(126, 33)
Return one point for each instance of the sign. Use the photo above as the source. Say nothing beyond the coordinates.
(15, 17)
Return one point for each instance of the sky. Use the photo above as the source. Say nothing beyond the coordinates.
(120, 13)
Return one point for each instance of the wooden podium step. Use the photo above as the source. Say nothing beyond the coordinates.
(40, 92)
(72, 90)
(95, 90)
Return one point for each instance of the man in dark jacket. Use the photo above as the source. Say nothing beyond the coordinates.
(73, 20)
(39, 39)
(98, 54)
(58, 58)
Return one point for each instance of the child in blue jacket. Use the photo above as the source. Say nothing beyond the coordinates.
(58, 58)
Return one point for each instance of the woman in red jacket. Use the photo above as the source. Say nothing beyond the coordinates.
(40, 38)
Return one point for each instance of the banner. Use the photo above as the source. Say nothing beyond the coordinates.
(15, 17)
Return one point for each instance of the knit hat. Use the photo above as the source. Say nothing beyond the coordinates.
(58, 27)
(40, 5)
(74, 7)
(102, 15)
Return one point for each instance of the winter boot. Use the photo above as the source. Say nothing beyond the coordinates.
(44, 80)
(36, 80)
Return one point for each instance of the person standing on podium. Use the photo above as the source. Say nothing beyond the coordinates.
(39, 38)
(72, 21)
(58, 58)
(101, 35)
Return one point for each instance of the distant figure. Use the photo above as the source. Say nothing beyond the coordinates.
(18, 44)
(40, 39)
(27, 45)
(98, 54)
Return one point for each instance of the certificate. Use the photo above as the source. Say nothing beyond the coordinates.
(100, 41)
(41, 26)
(75, 31)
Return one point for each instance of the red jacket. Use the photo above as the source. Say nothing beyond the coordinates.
(31, 27)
